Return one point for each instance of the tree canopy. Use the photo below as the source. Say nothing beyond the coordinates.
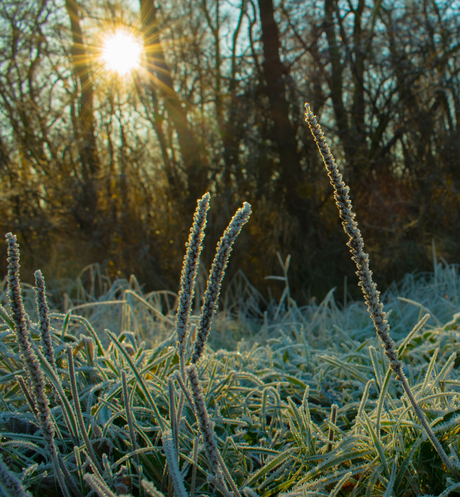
(98, 166)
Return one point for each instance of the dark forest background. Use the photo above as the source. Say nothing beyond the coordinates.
(98, 168)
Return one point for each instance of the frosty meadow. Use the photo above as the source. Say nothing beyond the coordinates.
(79, 417)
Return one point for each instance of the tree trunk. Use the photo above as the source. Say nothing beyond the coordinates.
(193, 156)
(84, 128)
(283, 131)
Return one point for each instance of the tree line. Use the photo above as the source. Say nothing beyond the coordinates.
(95, 167)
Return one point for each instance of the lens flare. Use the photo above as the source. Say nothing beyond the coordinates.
(121, 52)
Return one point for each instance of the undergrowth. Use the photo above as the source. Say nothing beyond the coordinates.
(146, 395)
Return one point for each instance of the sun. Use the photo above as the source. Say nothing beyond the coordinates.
(121, 52)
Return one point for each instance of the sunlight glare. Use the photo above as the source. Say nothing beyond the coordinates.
(121, 52)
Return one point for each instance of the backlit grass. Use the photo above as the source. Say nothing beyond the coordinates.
(159, 394)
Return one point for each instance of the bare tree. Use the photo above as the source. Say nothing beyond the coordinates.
(84, 125)
(193, 156)
(276, 75)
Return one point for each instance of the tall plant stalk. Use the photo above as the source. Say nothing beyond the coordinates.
(369, 288)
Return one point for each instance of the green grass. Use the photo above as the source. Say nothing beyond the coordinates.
(282, 401)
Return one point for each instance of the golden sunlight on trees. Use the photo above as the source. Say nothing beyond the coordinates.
(121, 52)
(116, 116)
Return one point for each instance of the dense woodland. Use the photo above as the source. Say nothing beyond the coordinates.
(99, 168)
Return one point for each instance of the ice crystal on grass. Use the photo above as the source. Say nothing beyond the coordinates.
(187, 282)
(43, 313)
(369, 288)
(216, 275)
(306, 405)
(206, 429)
(10, 485)
(37, 382)
(171, 456)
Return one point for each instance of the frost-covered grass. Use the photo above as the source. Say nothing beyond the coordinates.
(287, 400)
(270, 395)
